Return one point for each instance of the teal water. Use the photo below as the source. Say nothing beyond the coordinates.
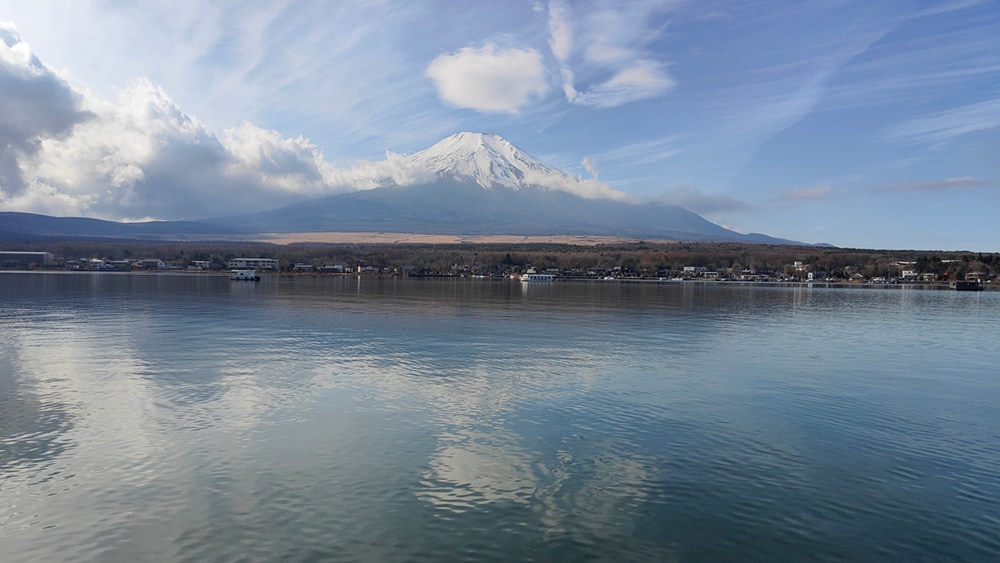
(187, 417)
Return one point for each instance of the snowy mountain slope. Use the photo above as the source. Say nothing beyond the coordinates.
(489, 160)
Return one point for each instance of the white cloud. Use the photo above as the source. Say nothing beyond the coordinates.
(141, 156)
(296, 165)
(14, 52)
(587, 188)
(489, 79)
(37, 104)
(396, 169)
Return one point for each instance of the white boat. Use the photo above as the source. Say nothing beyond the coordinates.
(244, 275)
(535, 278)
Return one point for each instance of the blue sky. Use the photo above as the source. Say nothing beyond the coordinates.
(869, 123)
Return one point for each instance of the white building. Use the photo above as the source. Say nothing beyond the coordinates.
(19, 259)
(254, 264)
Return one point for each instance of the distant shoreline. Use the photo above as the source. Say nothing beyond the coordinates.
(573, 257)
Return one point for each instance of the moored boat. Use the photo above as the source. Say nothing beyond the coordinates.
(244, 275)
(966, 286)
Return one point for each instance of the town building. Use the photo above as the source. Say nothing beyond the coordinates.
(18, 259)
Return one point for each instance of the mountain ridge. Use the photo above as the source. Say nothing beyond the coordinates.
(484, 185)
(451, 207)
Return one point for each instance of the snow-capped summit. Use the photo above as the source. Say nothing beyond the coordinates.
(489, 160)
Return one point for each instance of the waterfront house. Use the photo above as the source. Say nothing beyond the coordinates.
(150, 264)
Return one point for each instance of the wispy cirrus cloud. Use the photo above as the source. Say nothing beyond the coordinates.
(644, 152)
(603, 55)
(948, 6)
(560, 30)
(489, 79)
(638, 81)
(943, 126)
(937, 185)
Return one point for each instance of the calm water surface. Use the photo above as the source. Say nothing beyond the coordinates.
(187, 417)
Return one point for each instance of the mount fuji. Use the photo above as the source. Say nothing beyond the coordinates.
(468, 184)
(481, 184)
(489, 160)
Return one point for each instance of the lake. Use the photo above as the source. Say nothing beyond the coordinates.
(166, 417)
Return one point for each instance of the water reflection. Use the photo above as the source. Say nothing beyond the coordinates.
(472, 469)
(176, 417)
(33, 421)
(82, 379)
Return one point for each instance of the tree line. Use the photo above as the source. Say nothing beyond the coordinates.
(639, 257)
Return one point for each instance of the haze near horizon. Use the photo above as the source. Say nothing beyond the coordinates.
(861, 124)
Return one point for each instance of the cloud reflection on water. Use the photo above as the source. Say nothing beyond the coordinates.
(506, 417)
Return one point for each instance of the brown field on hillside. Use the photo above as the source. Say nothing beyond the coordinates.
(412, 238)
